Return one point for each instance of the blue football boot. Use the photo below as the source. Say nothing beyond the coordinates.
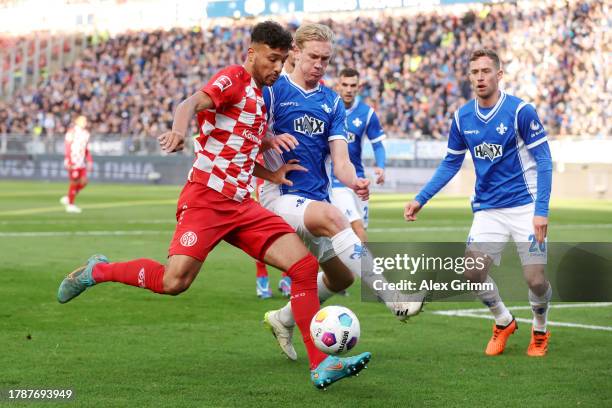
(284, 286)
(334, 368)
(263, 287)
(79, 280)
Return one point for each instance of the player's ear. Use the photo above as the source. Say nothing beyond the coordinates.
(251, 55)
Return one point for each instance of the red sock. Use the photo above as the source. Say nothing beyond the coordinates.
(72, 192)
(261, 269)
(79, 187)
(305, 302)
(143, 273)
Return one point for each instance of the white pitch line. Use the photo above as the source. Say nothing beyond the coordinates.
(466, 228)
(477, 314)
(552, 306)
(35, 234)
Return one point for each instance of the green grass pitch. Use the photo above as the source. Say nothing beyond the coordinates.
(122, 346)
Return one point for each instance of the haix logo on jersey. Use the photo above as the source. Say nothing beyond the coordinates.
(309, 126)
(350, 137)
(488, 151)
(501, 129)
(357, 122)
(223, 82)
(326, 108)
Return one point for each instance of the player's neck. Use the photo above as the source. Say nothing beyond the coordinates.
(249, 68)
(299, 80)
(490, 101)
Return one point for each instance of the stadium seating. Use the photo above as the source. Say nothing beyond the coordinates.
(414, 71)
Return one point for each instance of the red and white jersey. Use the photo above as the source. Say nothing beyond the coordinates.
(76, 153)
(230, 134)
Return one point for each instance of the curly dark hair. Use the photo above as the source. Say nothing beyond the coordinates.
(272, 34)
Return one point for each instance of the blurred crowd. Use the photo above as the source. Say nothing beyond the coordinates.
(554, 54)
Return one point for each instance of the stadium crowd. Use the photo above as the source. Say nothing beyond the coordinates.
(556, 55)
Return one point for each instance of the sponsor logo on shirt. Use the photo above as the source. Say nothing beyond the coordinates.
(471, 132)
(308, 125)
(223, 82)
(350, 137)
(488, 151)
(289, 104)
(536, 128)
(247, 134)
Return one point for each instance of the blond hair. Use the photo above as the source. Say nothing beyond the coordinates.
(313, 32)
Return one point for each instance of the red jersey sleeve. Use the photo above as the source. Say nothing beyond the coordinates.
(226, 87)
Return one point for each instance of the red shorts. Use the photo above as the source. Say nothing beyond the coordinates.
(205, 217)
(76, 174)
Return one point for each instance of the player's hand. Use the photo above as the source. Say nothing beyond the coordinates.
(362, 188)
(280, 174)
(89, 166)
(380, 175)
(411, 209)
(282, 143)
(540, 228)
(171, 141)
(66, 164)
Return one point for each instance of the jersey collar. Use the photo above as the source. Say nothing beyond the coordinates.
(304, 92)
(486, 118)
(353, 106)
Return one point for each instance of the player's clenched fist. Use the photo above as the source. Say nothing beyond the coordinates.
(411, 209)
(362, 188)
(171, 141)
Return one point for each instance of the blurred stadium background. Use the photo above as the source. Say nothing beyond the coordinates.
(127, 74)
(125, 64)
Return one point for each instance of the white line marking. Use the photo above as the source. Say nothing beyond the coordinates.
(36, 234)
(442, 229)
(476, 313)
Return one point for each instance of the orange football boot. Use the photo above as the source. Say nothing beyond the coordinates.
(539, 344)
(497, 344)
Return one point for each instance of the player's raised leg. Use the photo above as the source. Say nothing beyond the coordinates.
(172, 279)
(302, 267)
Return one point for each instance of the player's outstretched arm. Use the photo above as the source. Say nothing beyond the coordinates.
(174, 140)
(345, 171)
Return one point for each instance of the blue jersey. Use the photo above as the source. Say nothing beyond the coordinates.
(361, 120)
(315, 118)
(505, 142)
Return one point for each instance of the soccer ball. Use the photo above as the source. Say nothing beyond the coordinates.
(335, 330)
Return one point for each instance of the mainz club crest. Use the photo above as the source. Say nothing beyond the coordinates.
(189, 239)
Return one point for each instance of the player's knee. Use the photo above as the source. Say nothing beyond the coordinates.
(537, 284)
(175, 286)
(334, 220)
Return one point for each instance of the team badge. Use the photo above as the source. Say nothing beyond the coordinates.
(189, 239)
